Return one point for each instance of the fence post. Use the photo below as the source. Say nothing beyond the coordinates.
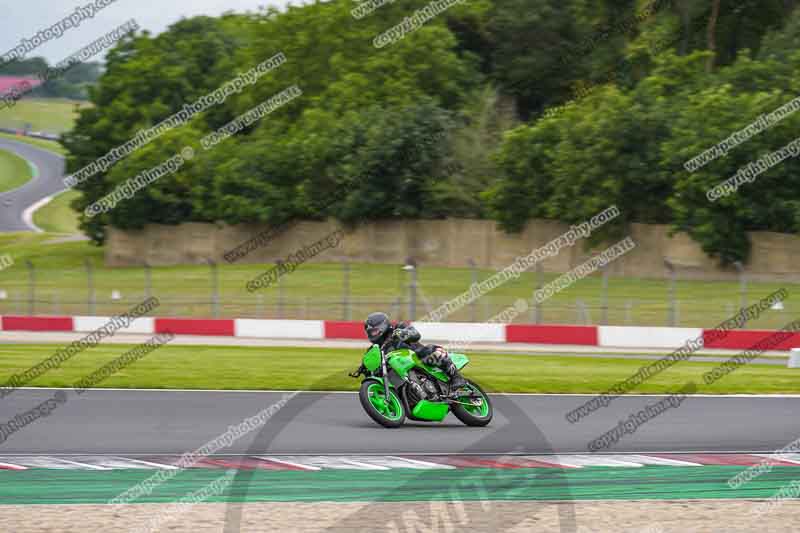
(537, 305)
(347, 311)
(583, 312)
(672, 313)
(742, 287)
(604, 298)
(148, 281)
(532, 308)
(259, 305)
(411, 267)
(31, 287)
(92, 295)
(214, 272)
(474, 304)
(280, 291)
(396, 307)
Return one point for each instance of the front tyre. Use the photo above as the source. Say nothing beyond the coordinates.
(389, 414)
(473, 415)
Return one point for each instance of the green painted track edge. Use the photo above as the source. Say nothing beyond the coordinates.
(45, 486)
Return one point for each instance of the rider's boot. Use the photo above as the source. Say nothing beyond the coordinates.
(456, 379)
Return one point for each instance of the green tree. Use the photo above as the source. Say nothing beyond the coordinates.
(358, 116)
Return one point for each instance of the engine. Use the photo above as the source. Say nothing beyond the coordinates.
(423, 386)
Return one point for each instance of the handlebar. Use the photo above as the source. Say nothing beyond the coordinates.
(361, 370)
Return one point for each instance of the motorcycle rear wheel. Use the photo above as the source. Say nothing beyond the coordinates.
(474, 415)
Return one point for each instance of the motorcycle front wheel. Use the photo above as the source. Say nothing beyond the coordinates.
(389, 414)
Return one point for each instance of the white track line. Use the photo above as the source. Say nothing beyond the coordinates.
(788, 457)
(402, 453)
(359, 462)
(117, 462)
(27, 215)
(650, 460)
(49, 461)
(589, 460)
(284, 462)
(327, 462)
(422, 464)
(553, 460)
(85, 465)
(163, 466)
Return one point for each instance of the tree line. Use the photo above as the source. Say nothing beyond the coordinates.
(492, 109)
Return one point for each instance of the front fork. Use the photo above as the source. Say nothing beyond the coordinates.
(385, 378)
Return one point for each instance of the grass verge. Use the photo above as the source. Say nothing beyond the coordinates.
(214, 367)
(51, 115)
(57, 216)
(14, 171)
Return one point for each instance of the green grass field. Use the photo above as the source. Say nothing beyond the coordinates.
(41, 114)
(39, 143)
(314, 291)
(14, 171)
(57, 216)
(218, 367)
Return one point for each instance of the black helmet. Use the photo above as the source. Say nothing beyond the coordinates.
(377, 326)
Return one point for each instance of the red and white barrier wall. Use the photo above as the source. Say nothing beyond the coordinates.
(452, 332)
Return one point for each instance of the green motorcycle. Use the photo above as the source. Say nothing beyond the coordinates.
(397, 385)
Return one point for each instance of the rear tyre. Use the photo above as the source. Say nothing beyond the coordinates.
(389, 414)
(473, 415)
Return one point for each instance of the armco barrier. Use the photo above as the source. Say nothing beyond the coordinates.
(744, 339)
(635, 337)
(280, 329)
(581, 335)
(460, 332)
(191, 326)
(434, 331)
(90, 323)
(344, 330)
(38, 323)
(443, 332)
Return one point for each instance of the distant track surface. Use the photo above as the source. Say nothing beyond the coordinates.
(13, 203)
(174, 422)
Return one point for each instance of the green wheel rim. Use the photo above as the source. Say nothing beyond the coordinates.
(392, 410)
(481, 410)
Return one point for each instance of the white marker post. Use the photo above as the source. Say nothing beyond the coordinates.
(794, 358)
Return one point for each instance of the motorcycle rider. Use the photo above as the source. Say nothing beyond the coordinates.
(388, 336)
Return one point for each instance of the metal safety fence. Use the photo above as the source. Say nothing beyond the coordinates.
(351, 291)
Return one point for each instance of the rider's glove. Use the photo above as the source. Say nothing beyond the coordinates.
(401, 334)
(438, 356)
(361, 370)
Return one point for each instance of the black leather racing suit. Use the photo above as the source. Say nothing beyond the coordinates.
(405, 336)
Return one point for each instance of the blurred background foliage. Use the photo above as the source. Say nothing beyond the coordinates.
(506, 110)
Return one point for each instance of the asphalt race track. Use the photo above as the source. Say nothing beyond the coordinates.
(49, 182)
(173, 422)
